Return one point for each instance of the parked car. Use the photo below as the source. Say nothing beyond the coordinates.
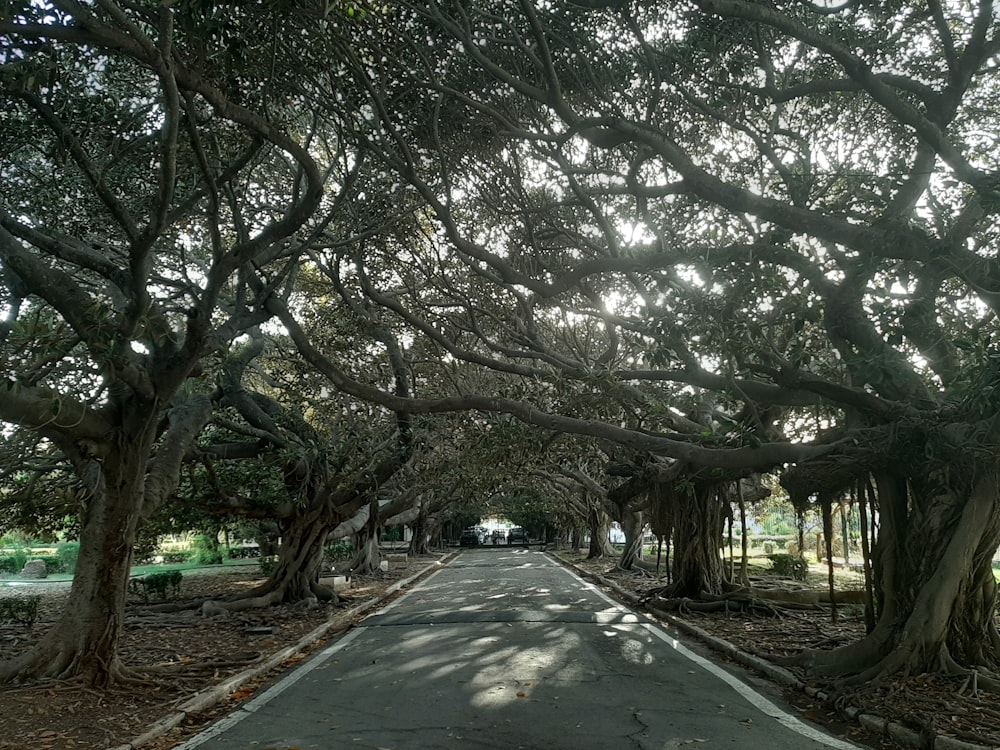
(517, 535)
(469, 538)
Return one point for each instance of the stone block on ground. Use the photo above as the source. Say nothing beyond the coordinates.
(337, 583)
(34, 569)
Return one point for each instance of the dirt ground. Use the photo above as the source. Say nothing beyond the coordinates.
(183, 652)
(190, 654)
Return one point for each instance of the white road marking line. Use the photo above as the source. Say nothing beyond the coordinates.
(286, 682)
(764, 705)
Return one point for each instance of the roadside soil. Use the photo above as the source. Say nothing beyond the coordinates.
(181, 654)
(928, 704)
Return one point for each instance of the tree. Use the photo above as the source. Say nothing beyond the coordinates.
(130, 225)
(332, 454)
(787, 209)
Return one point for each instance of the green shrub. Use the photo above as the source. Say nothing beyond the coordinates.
(12, 561)
(268, 563)
(243, 553)
(52, 563)
(22, 609)
(206, 557)
(176, 558)
(789, 566)
(392, 534)
(338, 550)
(68, 552)
(206, 551)
(156, 584)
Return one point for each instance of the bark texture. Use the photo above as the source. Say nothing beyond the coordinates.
(936, 587)
(699, 519)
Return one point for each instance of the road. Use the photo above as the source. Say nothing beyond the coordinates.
(507, 649)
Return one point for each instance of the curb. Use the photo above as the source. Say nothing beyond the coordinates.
(217, 693)
(877, 724)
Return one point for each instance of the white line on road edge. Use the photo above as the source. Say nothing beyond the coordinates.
(765, 706)
(287, 681)
(272, 692)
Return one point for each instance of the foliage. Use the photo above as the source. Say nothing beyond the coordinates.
(531, 511)
(392, 534)
(789, 566)
(205, 550)
(12, 561)
(63, 560)
(731, 236)
(156, 584)
(68, 552)
(268, 564)
(341, 549)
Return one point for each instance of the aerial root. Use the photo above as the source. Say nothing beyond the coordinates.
(973, 678)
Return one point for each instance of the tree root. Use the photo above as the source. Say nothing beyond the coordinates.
(183, 668)
(260, 597)
(706, 603)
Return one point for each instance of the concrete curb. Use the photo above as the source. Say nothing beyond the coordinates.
(877, 724)
(217, 693)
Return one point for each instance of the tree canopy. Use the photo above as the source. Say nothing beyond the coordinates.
(683, 243)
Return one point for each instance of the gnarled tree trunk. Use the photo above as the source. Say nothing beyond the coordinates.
(368, 557)
(698, 523)
(129, 482)
(632, 525)
(300, 560)
(421, 533)
(933, 557)
(599, 523)
(83, 643)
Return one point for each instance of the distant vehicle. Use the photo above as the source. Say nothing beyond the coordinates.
(469, 538)
(517, 535)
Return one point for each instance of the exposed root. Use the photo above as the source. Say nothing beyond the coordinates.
(324, 593)
(182, 668)
(637, 571)
(706, 603)
(971, 682)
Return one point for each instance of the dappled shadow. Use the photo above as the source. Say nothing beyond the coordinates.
(500, 651)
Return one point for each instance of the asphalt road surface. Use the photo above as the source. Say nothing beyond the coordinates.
(507, 649)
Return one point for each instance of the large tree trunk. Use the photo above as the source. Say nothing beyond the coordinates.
(420, 539)
(300, 561)
(939, 596)
(368, 557)
(295, 577)
(632, 525)
(698, 528)
(599, 524)
(83, 643)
